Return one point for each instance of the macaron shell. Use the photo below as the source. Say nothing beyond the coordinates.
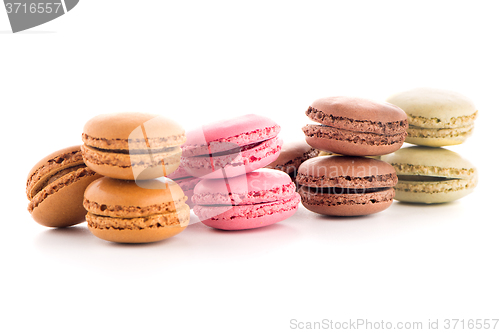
(150, 228)
(122, 194)
(430, 161)
(114, 131)
(137, 236)
(119, 166)
(434, 192)
(351, 148)
(64, 208)
(422, 137)
(241, 223)
(129, 173)
(247, 216)
(441, 105)
(436, 142)
(237, 131)
(358, 109)
(264, 185)
(234, 164)
(348, 210)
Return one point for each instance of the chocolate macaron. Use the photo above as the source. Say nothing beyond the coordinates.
(132, 145)
(55, 188)
(346, 186)
(141, 211)
(292, 155)
(355, 126)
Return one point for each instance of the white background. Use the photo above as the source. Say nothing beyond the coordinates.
(201, 61)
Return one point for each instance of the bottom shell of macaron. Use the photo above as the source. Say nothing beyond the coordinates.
(247, 216)
(137, 230)
(344, 203)
(438, 137)
(430, 192)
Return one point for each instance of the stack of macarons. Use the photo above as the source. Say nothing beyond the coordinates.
(429, 173)
(130, 204)
(351, 184)
(233, 193)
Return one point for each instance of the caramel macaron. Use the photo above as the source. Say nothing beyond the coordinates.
(135, 211)
(132, 145)
(345, 185)
(355, 126)
(55, 188)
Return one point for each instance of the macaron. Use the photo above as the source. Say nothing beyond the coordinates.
(55, 188)
(345, 185)
(436, 117)
(132, 145)
(249, 201)
(186, 182)
(141, 211)
(355, 126)
(292, 155)
(232, 147)
(431, 175)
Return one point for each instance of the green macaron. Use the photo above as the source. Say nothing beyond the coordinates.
(436, 117)
(431, 175)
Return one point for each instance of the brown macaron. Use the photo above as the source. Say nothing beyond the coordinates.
(355, 126)
(55, 188)
(292, 155)
(132, 145)
(143, 211)
(346, 186)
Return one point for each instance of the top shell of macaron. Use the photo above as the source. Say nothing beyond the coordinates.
(443, 105)
(134, 130)
(231, 133)
(357, 109)
(125, 198)
(264, 185)
(346, 171)
(430, 161)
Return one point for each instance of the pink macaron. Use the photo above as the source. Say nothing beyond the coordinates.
(231, 148)
(249, 201)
